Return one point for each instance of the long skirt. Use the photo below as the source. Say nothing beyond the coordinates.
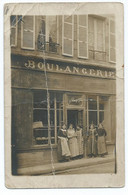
(80, 144)
(73, 146)
(63, 149)
(91, 147)
(102, 149)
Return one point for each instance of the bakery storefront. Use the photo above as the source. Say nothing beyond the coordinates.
(46, 94)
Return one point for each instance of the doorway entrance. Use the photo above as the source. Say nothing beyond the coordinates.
(75, 117)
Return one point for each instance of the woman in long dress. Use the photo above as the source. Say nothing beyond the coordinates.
(92, 141)
(72, 140)
(63, 148)
(79, 133)
(102, 148)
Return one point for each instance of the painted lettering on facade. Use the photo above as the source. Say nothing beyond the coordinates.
(49, 67)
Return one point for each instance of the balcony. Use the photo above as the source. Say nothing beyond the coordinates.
(97, 55)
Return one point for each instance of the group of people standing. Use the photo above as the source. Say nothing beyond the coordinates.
(71, 142)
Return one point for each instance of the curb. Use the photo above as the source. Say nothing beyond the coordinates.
(43, 170)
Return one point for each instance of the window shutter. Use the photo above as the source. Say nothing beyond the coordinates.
(28, 28)
(13, 37)
(112, 41)
(83, 36)
(67, 35)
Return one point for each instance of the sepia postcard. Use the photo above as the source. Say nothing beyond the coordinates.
(64, 102)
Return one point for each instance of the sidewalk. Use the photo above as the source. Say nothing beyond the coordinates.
(55, 167)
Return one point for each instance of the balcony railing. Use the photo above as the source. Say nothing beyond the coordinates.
(97, 55)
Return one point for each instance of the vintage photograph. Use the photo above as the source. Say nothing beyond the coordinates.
(63, 94)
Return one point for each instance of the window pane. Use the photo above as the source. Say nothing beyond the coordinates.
(99, 26)
(100, 42)
(112, 26)
(40, 99)
(82, 49)
(103, 103)
(82, 34)
(53, 29)
(59, 117)
(40, 136)
(68, 19)
(52, 118)
(28, 31)
(83, 20)
(91, 24)
(92, 102)
(52, 100)
(13, 21)
(41, 33)
(28, 39)
(13, 36)
(112, 54)
(93, 117)
(68, 46)
(91, 41)
(28, 22)
(101, 117)
(112, 41)
(41, 115)
(68, 31)
(59, 101)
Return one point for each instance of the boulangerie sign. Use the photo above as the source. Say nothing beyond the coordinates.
(64, 95)
(69, 69)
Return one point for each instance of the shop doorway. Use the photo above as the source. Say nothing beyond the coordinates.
(75, 117)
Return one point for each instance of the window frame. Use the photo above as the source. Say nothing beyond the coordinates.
(28, 48)
(49, 109)
(78, 37)
(15, 31)
(110, 33)
(63, 38)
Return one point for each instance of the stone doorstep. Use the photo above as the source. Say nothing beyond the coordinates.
(47, 169)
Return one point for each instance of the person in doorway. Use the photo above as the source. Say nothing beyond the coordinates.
(79, 133)
(101, 144)
(63, 148)
(72, 140)
(92, 141)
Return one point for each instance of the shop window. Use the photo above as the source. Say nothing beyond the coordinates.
(82, 36)
(47, 117)
(98, 110)
(112, 41)
(96, 38)
(28, 32)
(67, 35)
(13, 37)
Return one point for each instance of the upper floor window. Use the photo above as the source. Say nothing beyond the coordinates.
(28, 32)
(96, 38)
(67, 35)
(13, 37)
(47, 33)
(82, 21)
(112, 40)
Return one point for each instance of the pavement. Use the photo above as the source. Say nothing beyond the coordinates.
(55, 168)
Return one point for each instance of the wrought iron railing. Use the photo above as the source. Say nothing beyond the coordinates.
(97, 55)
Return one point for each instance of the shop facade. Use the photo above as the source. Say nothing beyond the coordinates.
(50, 88)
